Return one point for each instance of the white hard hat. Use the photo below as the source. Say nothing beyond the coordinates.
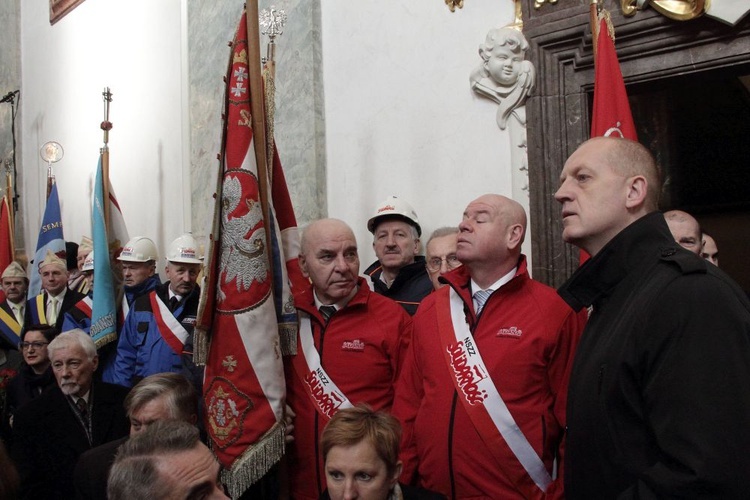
(88, 263)
(394, 208)
(184, 250)
(139, 249)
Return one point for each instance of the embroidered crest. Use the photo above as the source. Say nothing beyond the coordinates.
(229, 363)
(243, 266)
(223, 409)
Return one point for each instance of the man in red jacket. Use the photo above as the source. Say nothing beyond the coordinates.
(349, 348)
(483, 389)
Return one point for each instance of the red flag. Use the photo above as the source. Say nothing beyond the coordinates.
(611, 114)
(246, 297)
(6, 239)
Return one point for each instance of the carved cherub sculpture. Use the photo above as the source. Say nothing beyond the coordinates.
(504, 75)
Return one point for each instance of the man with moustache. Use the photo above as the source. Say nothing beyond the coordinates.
(399, 273)
(350, 347)
(53, 430)
(482, 393)
(157, 336)
(658, 403)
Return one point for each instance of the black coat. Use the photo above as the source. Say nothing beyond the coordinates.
(411, 285)
(26, 386)
(48, 438)
(92, 470)
(659, 396)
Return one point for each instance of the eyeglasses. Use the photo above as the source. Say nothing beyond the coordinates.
(36, 345)
(451, 261)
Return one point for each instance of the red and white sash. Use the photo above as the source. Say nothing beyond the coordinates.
(85, 305)
(171, 330)
(482, 401)
(325, 395)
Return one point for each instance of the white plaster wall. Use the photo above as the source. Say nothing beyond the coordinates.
(136, 48)
(400, 116)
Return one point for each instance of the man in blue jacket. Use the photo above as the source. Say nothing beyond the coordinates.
(157, 336)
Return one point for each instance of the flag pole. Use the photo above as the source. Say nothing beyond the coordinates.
(106, 126)
(257, 113)
(11, 212)
(594, 20)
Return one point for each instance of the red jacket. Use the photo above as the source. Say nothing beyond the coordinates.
(361, 349)
(529, 366)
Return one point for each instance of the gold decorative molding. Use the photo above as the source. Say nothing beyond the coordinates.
(538, 3)
(679, 10)
(452, 4)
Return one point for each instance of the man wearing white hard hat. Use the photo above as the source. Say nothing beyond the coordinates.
(138, 261)
(50, 306)
(399, 273)
(157, 336)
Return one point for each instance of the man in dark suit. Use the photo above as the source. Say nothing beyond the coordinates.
(163, 396)
(50, 306)
(52, 431)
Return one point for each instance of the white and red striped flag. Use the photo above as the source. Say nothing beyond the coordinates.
(246, 298)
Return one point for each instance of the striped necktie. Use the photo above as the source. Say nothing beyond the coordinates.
(480, 297)
(327, 312)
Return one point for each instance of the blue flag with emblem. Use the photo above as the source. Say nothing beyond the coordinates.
(103, 312)
(50, 238)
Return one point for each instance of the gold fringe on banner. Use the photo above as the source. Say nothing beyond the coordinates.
(288, 339)
(255, 462)
(200, 346)
(604, 14)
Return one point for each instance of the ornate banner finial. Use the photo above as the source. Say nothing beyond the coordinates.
(272, 21)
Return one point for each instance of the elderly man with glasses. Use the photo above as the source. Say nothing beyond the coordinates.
(441, 253)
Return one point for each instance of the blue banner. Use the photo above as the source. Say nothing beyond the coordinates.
(103, 313)
(50, 238)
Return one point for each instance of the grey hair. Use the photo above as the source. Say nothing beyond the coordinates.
(442, 231)
(135, 472)
(77, 337)
(179, 393)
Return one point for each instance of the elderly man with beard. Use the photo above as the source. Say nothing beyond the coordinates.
(350, 347)
(53, 430)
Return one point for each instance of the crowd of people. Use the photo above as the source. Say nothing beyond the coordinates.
(449, 375)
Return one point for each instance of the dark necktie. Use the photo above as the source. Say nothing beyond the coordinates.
(327, 312)
(83, 408)
(173, 303)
